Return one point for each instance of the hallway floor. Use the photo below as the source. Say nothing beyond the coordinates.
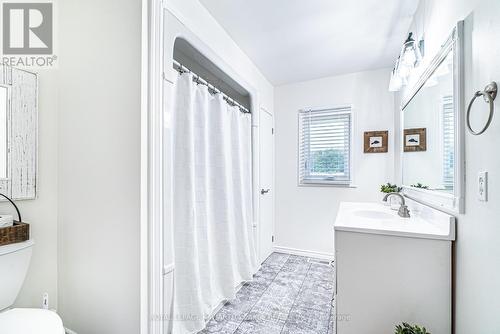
(289, 294)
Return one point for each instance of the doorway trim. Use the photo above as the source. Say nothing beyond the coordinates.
(151, 222)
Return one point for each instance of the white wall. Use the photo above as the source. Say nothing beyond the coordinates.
(99, 165)
(434, 21)
(88, 141)
(305, 215)
(477, 263)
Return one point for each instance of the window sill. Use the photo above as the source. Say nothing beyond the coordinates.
(326, 184)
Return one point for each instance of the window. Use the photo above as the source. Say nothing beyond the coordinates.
(325, 146)
(448, 143)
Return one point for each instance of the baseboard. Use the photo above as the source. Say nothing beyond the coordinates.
(301, 252)
(69, 331)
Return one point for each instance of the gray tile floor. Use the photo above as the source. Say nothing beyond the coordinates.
(290, 295)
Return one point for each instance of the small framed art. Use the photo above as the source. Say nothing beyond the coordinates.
(415, 140)
(376, 141)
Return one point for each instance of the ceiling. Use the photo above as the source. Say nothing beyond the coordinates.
(298, 40)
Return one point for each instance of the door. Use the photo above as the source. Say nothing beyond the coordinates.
(266, 171)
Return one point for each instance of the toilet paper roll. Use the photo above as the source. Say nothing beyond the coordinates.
(6, 221)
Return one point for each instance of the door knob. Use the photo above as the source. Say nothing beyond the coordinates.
(264, 191)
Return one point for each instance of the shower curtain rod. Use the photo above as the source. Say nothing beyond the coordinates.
(199, 80)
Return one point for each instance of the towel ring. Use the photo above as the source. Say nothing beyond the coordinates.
(489, 94)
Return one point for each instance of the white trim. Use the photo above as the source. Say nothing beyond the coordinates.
(459, 81)
(331, 185)
(326, 183)
(69, 331)
(152, 301)
(144, 258)
(302, 252)
(438, 200)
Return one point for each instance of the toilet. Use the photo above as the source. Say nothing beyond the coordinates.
(14, 263)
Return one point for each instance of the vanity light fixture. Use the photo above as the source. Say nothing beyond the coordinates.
(410, 56)
(397, 81)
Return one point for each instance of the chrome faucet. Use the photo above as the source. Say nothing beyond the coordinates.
(403, 209)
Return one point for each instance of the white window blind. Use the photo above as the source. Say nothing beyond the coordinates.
(448, 143)
(325, 146)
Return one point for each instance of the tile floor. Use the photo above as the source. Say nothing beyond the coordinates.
(289, 295)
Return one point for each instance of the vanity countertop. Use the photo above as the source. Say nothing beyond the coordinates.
(376, 218)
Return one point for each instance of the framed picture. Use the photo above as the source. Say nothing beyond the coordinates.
(415, 140)
(376, 141)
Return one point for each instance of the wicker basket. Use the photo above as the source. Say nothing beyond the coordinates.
(19, 232)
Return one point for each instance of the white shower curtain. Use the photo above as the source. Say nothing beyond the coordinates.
(212, 203)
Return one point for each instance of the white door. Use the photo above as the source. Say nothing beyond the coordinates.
(266, 201)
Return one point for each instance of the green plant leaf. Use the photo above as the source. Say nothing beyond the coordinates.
(406, 328)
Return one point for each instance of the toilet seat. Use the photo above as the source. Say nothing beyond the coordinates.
(30, 321)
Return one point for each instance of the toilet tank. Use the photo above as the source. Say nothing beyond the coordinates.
(14, 263)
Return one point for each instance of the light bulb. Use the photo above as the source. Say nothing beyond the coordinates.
(396, 83)
(404, 71)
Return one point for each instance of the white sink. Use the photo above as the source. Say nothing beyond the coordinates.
(373, 214)
(376, 218)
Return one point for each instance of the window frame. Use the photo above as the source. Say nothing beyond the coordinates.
(324, 182)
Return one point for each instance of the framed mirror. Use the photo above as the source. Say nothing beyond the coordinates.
(18, 132)
(433, 131)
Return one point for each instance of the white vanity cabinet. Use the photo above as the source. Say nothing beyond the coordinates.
(391, 270)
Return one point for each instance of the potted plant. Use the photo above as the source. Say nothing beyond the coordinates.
(405, 328)
(420, 186)
(393, 202)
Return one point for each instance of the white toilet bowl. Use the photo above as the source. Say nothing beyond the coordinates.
(30, 321)
(14, 263)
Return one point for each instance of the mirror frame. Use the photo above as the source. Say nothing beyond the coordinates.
(22, 157)
(452, 203)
